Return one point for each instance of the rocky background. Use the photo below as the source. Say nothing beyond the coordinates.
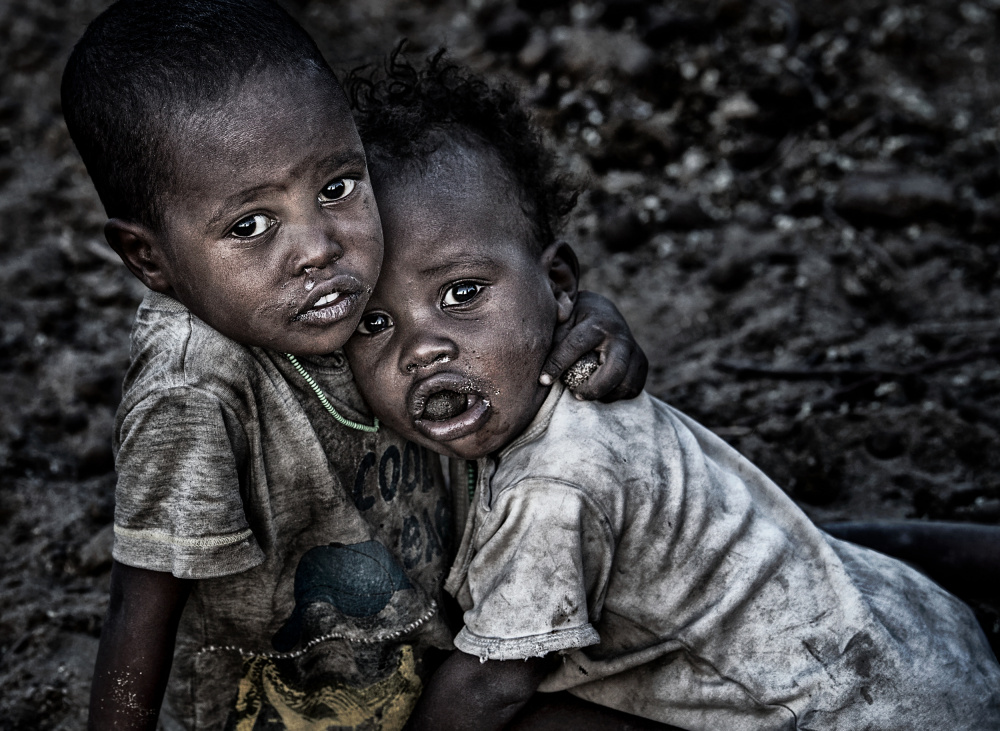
(796, 205)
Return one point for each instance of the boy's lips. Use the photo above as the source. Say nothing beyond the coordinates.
(473, 414)
(331, 300)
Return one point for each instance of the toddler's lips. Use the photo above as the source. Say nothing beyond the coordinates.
(469, 421)
(447, 406)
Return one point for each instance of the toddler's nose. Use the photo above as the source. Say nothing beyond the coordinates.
(425, 349)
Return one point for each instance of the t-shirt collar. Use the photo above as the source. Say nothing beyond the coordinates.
(541, 421)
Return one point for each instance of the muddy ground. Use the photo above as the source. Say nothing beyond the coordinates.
(797, 207)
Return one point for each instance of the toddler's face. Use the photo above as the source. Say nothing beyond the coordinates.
(271, 231)
(449, 350)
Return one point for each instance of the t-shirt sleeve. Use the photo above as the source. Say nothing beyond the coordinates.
(538, 578)
(178, 504)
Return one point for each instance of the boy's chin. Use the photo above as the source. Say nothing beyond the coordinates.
(284, 339)
(321, 342)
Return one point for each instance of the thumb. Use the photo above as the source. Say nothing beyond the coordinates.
(567, 351)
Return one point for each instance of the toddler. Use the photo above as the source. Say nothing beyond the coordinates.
(620, 551)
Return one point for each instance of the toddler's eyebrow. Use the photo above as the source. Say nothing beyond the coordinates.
(337, 161)
(450, 266)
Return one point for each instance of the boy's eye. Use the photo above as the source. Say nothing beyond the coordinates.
(459, 294)
(252, 226)
(373, 323)
(337, 189)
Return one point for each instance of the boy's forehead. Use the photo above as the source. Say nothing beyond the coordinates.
(269, 126)
(269, 101)
(225, 159)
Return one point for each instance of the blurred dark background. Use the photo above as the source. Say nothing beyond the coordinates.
(796, 205)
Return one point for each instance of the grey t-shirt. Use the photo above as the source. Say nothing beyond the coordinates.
(683, 585)
(319, 550)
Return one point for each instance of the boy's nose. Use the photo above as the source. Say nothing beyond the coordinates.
(425, 350)
(317, 248)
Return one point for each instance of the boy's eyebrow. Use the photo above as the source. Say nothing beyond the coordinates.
(334, 161)
(238, 199)
(482, 261)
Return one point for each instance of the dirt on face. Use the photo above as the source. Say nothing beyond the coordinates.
(796, 206)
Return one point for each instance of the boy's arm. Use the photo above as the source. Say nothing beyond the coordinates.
(137, 648)
(596, 324)
(465, 694)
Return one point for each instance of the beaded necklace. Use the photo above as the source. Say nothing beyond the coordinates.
(472, 471)
(326, 402)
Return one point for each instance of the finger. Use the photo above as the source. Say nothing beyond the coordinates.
(579, 341)
(609, 375)
(635, 379)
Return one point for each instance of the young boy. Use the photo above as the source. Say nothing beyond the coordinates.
(620, 551)
(291, 549)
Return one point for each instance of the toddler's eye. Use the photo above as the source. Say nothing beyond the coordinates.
(337, 189)
(459, 294)
(373, 323)
(252, 226)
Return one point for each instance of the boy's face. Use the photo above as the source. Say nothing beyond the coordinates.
(271, 233)
(449, 350)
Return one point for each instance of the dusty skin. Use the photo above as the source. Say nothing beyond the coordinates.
(798, 212)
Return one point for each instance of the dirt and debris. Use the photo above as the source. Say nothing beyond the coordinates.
(796, 205)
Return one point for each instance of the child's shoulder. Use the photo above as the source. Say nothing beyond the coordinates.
(172, 350)
(590, 443)
(603, 448)
(180, 365)
(600, 430)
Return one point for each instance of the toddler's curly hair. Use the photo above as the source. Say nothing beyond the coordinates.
(404, 113)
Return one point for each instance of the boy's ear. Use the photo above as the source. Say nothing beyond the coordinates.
(564, 277)
(140, 250)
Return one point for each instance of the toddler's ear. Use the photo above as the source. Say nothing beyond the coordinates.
(139, 250)
(564, 277)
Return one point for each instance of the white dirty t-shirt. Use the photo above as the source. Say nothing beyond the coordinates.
(683, 585)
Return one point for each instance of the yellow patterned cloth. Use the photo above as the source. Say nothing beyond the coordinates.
(384, 705)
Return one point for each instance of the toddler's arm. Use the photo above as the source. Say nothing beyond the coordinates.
(467, 694)
(596, 324)
(137, 648)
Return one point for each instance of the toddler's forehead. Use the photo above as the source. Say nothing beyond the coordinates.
(460, 182)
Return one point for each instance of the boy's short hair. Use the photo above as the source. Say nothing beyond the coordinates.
(141, 63)
(404, 114)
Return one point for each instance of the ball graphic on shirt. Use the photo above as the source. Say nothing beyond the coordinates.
(358, 579)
